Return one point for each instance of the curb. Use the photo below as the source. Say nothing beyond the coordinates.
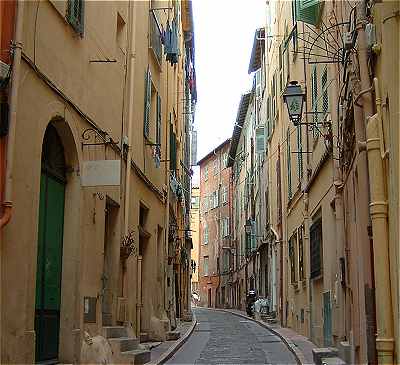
(301, 360)
(176, 346)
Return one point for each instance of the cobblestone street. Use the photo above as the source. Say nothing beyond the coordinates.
(223, 338)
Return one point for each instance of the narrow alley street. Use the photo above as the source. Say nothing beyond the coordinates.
(223, 338)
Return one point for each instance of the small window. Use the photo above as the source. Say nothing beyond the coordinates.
(225, 160)
(75, 15)
(216, 169)
(224, 195)
(205, 173)
(195, 202)
(316, 249)
(205, 265)
(205, 233)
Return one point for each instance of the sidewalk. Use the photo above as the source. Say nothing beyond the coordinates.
(300, 346)
(161, 353)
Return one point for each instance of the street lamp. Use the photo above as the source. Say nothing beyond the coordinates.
(294, 98)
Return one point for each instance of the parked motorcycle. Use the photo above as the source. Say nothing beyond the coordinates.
(250, 300)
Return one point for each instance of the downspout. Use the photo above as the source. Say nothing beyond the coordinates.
(132, 56)
(16, 65)
(380, 232)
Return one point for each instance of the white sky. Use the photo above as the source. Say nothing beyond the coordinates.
(224, 33)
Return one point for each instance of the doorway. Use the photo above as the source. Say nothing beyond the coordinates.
(209, 298)
(50, 247)
(110, 220)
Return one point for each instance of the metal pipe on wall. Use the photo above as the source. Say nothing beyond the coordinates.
(380, 232)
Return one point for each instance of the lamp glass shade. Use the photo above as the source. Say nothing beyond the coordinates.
(295, 106)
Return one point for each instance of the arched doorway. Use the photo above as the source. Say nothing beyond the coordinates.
(50, 247)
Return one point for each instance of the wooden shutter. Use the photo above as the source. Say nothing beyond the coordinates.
(158, 131)
(147, 103)
(314, 97)
(324, 89)
(76, 15)
(260, 140)
(308, 11)
(316, 249)
(289, 164)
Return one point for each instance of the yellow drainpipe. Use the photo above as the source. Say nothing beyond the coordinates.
(379, 217)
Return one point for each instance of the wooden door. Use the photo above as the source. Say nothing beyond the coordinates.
(50, 247)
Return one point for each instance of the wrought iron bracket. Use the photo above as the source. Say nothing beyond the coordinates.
(91, 133)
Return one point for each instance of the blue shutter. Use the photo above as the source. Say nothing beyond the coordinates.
(308, 11)
(147, 104)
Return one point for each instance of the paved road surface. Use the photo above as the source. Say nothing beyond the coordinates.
(223, 338)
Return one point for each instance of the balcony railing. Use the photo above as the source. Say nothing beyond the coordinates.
(155, 37)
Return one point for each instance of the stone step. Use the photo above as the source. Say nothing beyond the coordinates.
(150, 345)
(121, 344)
(144, 337)
(173, 335)
(137, 357)
(320, 353)
(114, 331)
(332, 361)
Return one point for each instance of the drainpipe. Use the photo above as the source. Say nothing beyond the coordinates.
(379, 215)
(132, 56)
(7, 203)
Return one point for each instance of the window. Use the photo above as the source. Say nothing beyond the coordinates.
(172, 148)
(157, 147)
(147, 103)
(293, 257)
(225, 160)
(324, 90)
(205, 173)
(214, 200)
(308, 11)
(224, 195)
(316, 248)
(314, 98)
(224, 227)
(205, 265)
(205, 234)
(289, 164)
(301, 253)
(75, 15)
(300, 154)
(216, 167)
(195, 202)
(205, 204)
(225, 261)
(155, 37)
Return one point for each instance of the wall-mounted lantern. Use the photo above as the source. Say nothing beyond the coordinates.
(294, 98)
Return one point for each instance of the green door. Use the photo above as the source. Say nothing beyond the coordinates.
(327, 319)
(50, 245)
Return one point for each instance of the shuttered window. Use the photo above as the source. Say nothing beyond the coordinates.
(301, 253)
(289, 164)
(76, 15)
(260, 140)
(147, 104)
(172, 148)
(308, 11)
(314, 98)
(324, 90)
(299, 154)
(158, 132)
(316, 249)
(293, 257)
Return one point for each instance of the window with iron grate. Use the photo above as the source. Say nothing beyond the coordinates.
(75, 15)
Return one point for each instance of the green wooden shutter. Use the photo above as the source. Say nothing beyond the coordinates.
(324, 89)
(289, 164)
(300, 153)
(314, 97)
(147, 104)
(308, 11)
(158, 132)
(76, 15)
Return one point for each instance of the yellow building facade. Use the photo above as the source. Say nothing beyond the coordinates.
(96, 119)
